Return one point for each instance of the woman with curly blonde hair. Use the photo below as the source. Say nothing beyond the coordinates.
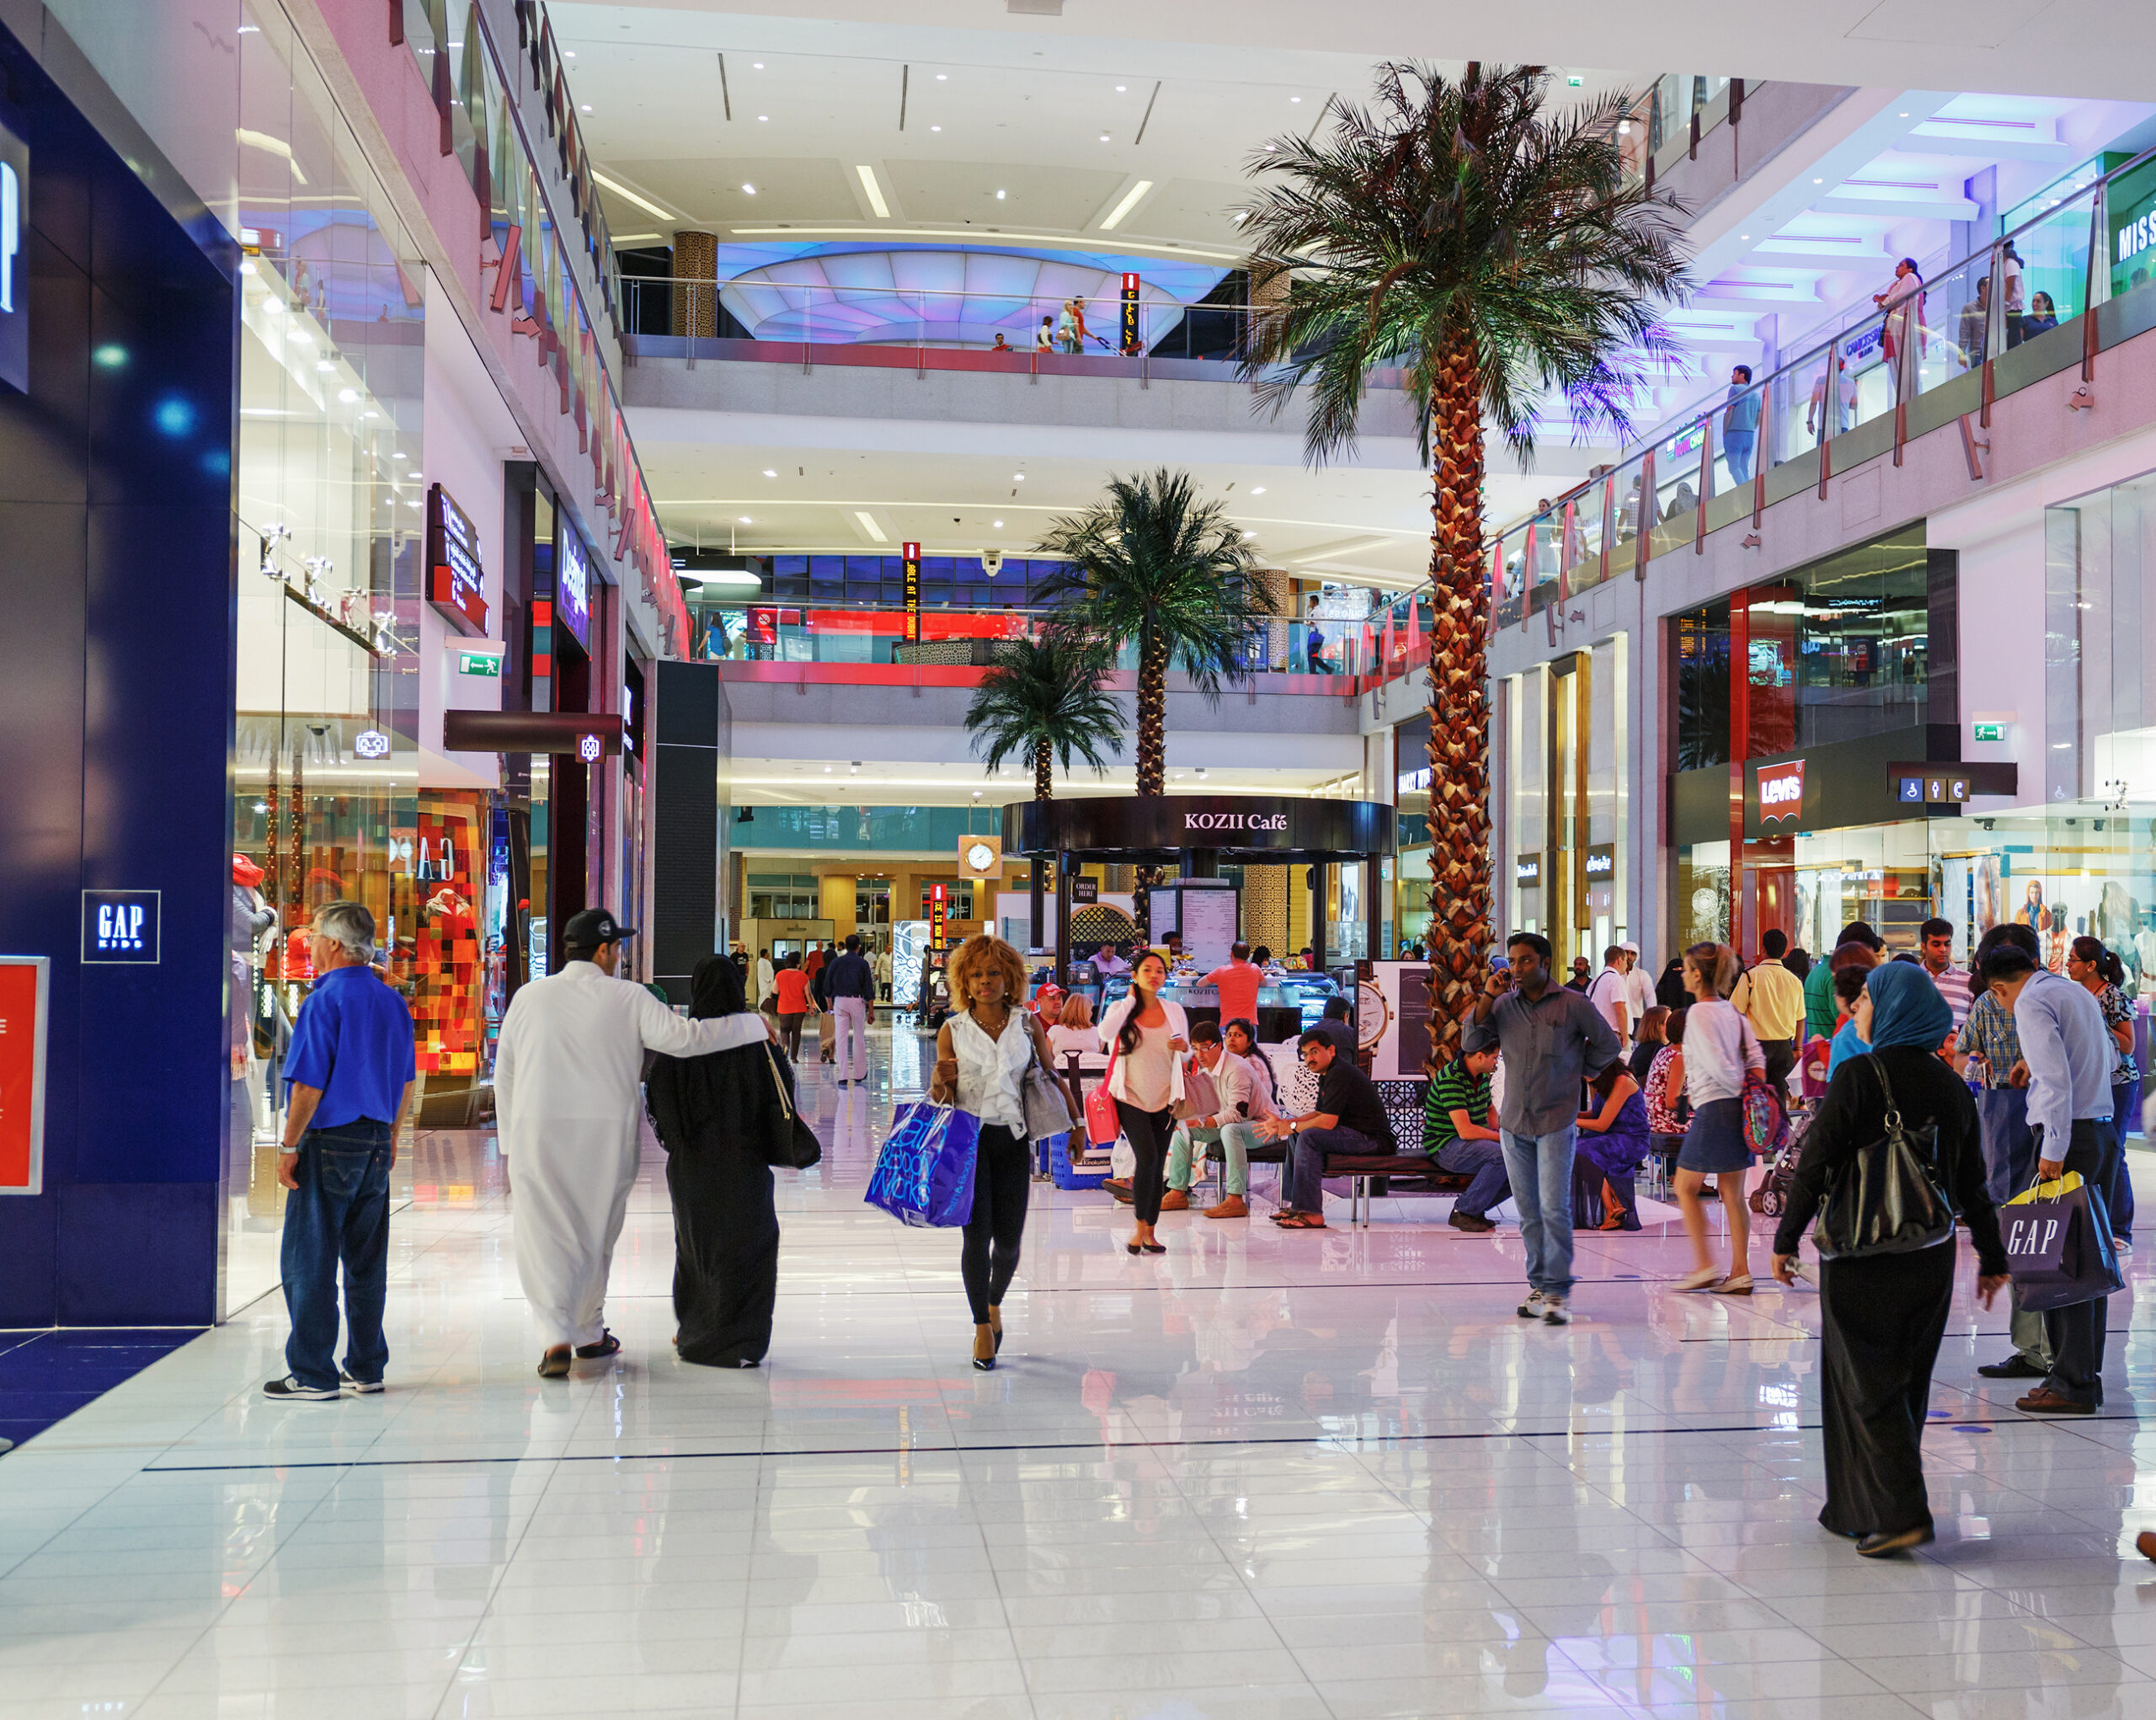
(982, 1052)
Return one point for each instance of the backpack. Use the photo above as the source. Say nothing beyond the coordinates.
(1765, 1121)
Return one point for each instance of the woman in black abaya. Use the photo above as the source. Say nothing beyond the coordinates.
(1883, 1313)
(714, 1115)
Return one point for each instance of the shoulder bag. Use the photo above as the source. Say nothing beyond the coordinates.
(792, 1146)
(1887, 1199)
(1046, 1102)
(1103, 1122)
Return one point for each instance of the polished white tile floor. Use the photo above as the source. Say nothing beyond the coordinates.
(1264, 1475)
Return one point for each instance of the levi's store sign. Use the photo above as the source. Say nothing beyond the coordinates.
(1781, 791)
(456, 584)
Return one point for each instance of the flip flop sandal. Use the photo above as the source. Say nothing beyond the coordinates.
(555, 1364)
(608, 1345)
(1303, 1221)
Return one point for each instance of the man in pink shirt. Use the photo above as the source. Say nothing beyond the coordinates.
(1237, 982)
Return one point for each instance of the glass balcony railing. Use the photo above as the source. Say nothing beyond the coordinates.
(1975, 330)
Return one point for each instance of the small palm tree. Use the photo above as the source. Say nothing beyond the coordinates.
(1043, 697)
(1151, 564)
(1495, 252)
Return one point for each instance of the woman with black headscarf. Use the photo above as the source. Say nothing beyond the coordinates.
(714, 1115)
(1883, 1313)
(1669, 990)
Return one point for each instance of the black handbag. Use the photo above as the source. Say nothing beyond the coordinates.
(793, 1147)
(1887, 1199)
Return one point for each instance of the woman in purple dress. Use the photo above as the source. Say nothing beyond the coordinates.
(1613, 1143)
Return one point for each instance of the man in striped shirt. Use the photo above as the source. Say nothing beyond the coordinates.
(1457, 1135)
(1955, 984)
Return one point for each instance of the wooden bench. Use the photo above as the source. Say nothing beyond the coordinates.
(1414, 1169)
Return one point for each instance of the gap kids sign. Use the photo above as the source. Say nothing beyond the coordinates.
(1781, 791)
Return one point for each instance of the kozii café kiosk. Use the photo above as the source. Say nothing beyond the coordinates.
(1196, 834)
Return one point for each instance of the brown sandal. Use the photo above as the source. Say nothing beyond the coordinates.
(1303, 1221)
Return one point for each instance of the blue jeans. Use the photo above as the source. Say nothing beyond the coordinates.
(2119, 1197)
(1736, 446)
(1539, 1167)
(1305, 1176)
(340, 1211)
(1485, 1162)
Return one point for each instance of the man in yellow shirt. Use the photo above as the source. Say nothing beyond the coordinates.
(1772, 998)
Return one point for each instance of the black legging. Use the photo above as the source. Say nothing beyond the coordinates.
(1003, 1173)
(1148, 1133)
(789, 1030)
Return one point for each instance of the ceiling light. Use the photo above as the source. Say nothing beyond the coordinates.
(348, 396)
(936, 128)
(1294, 97)
(999, 525)
(1120, 87)
(273, 307)
(247, 268)
(1260, 490)
(763, 119)
(1819, 182)
(568, 53)
(758, 64)
(1904, 116)
(746, 520)
(869, 525)
(768, 472)
(875, 192)
(976, 794)
(1017, 477)
(999, 196)
(750, 188)
(1104, 138)
(942, 77)
(1129, 200)
(583, 107)
(622, 191)
(400, 455)
(827, 769)
(1201, 774)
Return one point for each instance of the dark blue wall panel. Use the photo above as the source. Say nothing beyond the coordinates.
(117, 582)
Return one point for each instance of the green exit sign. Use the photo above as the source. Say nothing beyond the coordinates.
(487, 663)
(1990, 731)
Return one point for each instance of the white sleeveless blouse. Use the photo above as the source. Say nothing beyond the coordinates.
(990, 1069)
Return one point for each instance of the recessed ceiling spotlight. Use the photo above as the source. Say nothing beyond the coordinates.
(999, 525)
(1259, 490)
(568, 53)
(1819, 182)
(763, 119)
(583, 107)
(1104, 138)
(999, 196)
(942, 77)
(976, 794)
(769, 473)
(746, 520)
(1120, 87)
(750, 189)
(1017, 477)
(1201, 774)
(936, 128)
(758, 64)
(1294, 97)
(1904, 116)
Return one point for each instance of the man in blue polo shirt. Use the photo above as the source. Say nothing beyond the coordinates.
(349, 1081)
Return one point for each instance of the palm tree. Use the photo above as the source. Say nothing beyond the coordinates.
(1151, 562)
(1494, 251)
(1043, 697)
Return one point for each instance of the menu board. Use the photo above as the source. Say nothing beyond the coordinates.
(1210, 924)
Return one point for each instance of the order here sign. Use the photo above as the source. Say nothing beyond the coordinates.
(23, 987)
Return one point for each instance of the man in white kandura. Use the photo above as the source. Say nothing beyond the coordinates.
(566, 1104)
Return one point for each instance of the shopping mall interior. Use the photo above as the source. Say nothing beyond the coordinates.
(870, 504)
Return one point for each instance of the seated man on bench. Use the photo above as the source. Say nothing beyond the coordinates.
(1349, 1119)
(1240, 1095)
(1457, 1135)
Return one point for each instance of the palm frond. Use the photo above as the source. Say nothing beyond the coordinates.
(1046, 689)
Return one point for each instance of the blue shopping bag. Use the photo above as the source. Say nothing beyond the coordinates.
(925, 1173)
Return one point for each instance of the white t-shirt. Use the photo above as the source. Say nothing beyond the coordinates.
(1638, 993)
(1607, 994)
(1063, 1040)
(1718, 1046)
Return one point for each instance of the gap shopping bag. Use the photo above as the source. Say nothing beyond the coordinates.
(2058, 1246)
(925, 1173)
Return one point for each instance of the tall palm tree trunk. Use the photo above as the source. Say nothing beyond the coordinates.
(1460, 734)
(1152, 714)
(1043, 769)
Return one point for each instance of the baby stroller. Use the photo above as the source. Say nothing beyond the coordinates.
(1772, 1195)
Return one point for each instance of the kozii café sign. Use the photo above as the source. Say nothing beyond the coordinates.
(1781, 791)
(14, 278)
(1208, 823)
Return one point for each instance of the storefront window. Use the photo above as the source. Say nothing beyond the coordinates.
(1860, 640)
(1702, 687)
(331, 526)
(1703, 893)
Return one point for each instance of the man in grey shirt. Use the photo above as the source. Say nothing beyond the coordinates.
(2069, 1053)
(1551, 1040)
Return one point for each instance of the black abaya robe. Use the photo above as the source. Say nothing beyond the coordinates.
(714, 1115)
(1884, 1314)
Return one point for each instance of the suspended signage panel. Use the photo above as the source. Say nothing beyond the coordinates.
(457, 583)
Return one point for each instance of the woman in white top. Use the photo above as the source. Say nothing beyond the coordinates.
(982, 1051)
(1720, 1049)
(1903, 331)
(1074, 1029)
(1146, 1035)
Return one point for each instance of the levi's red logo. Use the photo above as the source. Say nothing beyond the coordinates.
(1781, 790)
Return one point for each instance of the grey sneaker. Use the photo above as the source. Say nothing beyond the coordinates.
(1531, 1309)
(1555, 1313)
